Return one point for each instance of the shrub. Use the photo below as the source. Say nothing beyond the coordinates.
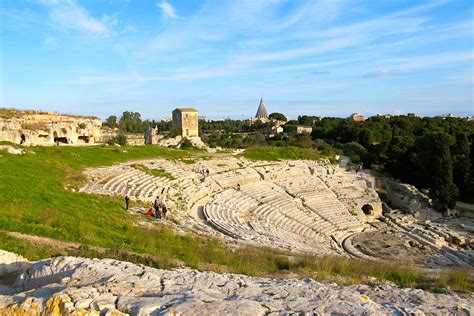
(120, 139)
(34, 126)
(174, 132)
(186, 144)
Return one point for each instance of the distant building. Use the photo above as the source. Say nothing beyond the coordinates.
(300, 129)
(166, 119)
(203, 118)
(277, 129)
(186, 120)
(444, 116)
(262, 113)
(358, 117)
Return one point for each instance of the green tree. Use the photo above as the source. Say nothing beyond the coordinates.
(131, 122)
(461, 162)
(111, 121)
(278, 116)
(435, 160)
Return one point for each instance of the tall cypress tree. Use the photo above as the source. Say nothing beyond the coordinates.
(461, 162)
(444, 191)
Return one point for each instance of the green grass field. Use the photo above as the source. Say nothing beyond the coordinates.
(280, 153)
(33, 201)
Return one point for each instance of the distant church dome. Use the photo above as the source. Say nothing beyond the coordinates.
(262, 111)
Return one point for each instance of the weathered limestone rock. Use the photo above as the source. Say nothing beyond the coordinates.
(114, 287)
(47, 128)
(12, 150)
(10, 263)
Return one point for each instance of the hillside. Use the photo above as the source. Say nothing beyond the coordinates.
(35, 203)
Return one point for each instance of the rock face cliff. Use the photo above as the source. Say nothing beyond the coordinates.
(47, 128)
(68, 285)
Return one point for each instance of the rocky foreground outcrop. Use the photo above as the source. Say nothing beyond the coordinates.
(78, 286)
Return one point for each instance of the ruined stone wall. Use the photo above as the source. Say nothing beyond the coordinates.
(46, 128)
(134, 139)
(407, 198)
(151, 136)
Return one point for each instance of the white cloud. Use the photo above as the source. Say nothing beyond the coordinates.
(378, 73)
(68, 15)
(167, 10)
(50, 41)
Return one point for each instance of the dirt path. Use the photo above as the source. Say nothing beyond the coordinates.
(45, 241)
(66, 245)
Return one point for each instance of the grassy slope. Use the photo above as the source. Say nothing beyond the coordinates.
(33, 201)
(277, 153)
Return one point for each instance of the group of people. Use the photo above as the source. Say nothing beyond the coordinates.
(158, 209)
(205, 173)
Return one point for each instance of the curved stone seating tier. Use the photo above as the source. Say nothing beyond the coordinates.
(273, 172)
(235, 177)
(297, 205)
(270, 211)
(324, 202)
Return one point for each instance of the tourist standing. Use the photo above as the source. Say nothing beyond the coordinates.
(127, 200)
(165, 210)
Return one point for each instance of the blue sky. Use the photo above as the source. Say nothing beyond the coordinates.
(315, 57)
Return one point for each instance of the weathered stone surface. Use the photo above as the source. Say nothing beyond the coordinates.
(113, 287)
(46, 128)
(10, 262)
(299, 206)
(12, 150)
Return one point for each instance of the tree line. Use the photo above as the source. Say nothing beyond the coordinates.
(131, 122)
(431, 153)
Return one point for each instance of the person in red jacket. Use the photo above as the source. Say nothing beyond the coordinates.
(150, 213)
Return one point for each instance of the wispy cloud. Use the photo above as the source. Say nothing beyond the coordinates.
(167, 10)
(294, 49)
(66, 14)
(378, 73)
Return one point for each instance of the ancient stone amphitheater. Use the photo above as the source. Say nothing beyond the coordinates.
(296, 205)
(302, 206)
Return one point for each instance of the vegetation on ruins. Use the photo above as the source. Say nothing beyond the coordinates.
(35, 126)
(119, 139)
(157, 172)
(186, 144)
(277, 153)
(35, 202)
(16, 113)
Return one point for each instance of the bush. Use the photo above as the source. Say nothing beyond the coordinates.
(186, 144)
(174, 132)
(120, 139)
